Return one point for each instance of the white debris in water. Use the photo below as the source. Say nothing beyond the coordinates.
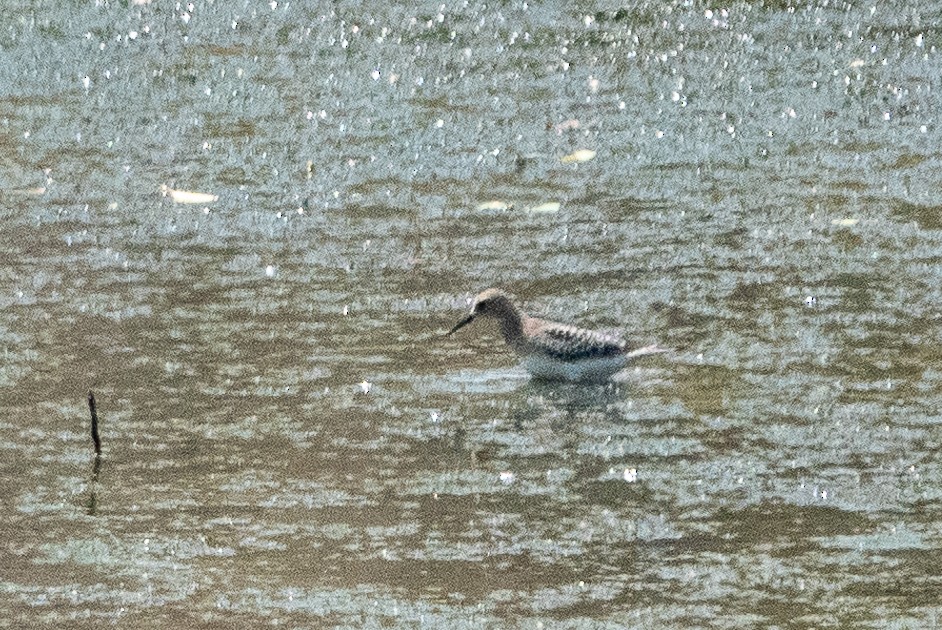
(548, 207)
(630, 475)
(494, 204)
(507, 477)
(365, 386)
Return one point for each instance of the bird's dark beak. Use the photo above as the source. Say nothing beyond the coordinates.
(464, 322)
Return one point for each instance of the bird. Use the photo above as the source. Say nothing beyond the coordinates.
(552, 350)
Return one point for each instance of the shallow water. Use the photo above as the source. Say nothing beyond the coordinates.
(288, 436)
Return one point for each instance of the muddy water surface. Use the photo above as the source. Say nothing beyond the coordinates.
(288, 436)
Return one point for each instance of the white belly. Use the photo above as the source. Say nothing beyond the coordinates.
(596, 369)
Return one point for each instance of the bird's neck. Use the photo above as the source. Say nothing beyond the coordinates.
(511, 327)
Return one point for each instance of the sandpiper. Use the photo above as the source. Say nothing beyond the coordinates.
(551, 350)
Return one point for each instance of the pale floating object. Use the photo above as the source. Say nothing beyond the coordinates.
(187, 196)
(858, 63)
(582, 155)
(546, 208)
(845, 222)
(566, 125)
(630, 475)
(37, 191)
(494, 204)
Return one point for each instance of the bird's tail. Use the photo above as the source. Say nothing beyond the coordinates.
(652, 349)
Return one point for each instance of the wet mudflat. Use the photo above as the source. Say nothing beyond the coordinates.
(289, 439)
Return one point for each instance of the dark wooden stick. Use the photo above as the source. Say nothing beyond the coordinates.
(95, 437)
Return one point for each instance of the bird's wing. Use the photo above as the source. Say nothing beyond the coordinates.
(569, 343)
